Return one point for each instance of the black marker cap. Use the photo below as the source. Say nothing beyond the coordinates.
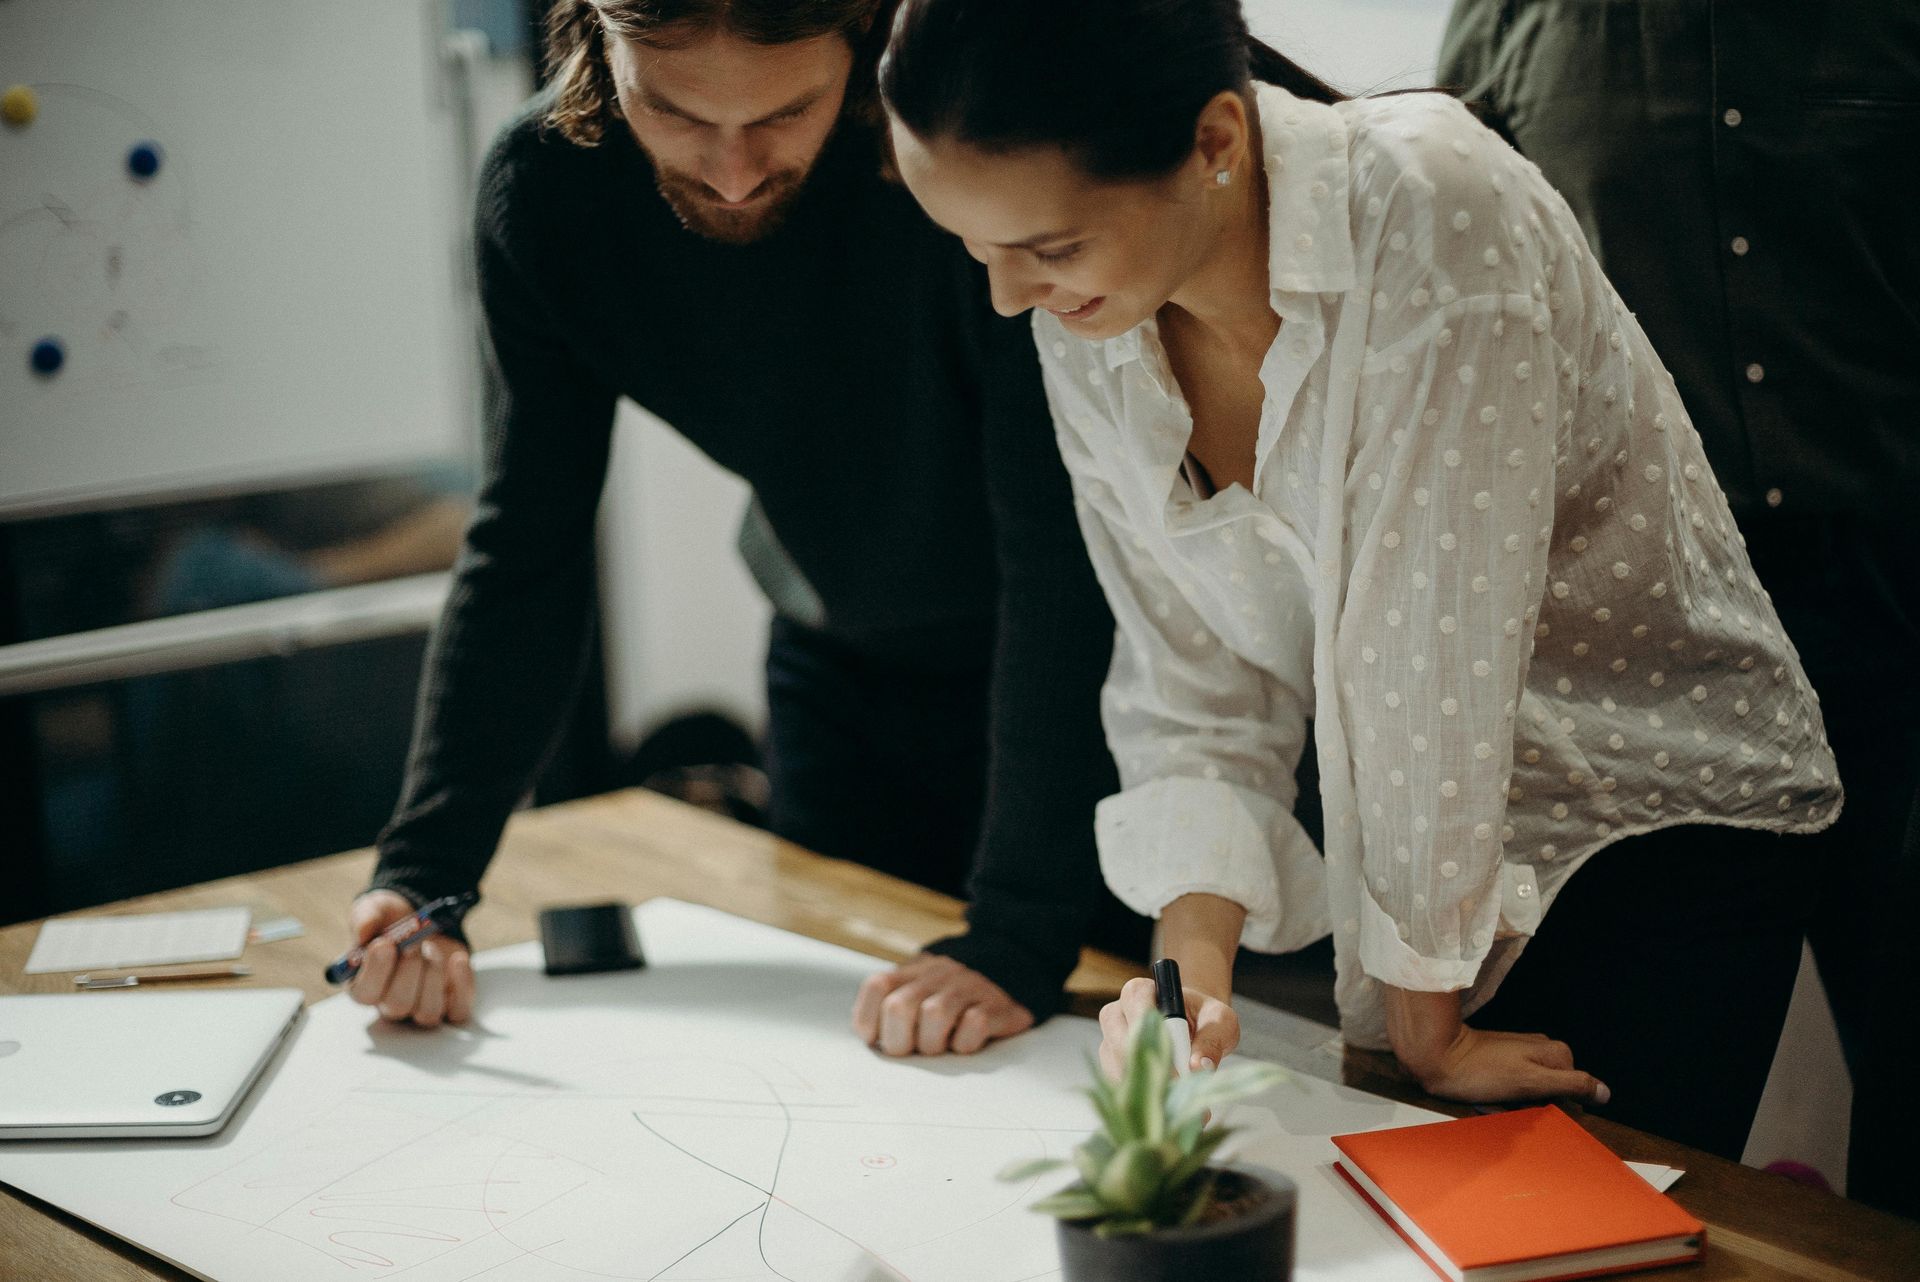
(1168, 995)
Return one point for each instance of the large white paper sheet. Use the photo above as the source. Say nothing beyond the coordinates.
(708, 1117)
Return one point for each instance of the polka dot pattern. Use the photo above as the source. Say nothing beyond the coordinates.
(1484, 553)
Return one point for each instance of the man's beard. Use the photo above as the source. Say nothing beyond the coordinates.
(693, 202)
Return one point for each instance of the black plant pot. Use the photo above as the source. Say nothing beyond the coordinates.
(1256, 1246)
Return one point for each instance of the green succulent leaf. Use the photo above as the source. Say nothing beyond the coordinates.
(1092, 1157)
(1029, 1168)
(1196, 1093)
(1126, 1227)
(1075, 1202)
(1107, 1105)
(1195, 1159)
(1149, 1072)
(1132, 1179)
(1188, 1131)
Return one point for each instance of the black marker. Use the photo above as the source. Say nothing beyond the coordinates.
(1172, 1001)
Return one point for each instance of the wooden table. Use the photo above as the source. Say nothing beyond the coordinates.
(636, 846)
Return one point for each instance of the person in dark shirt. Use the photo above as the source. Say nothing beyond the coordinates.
(1747, 174)
(694, 216)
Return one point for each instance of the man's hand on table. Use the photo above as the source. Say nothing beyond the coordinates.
(931, 1005)
(431, 983)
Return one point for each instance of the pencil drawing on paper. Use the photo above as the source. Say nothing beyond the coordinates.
(671, 1168)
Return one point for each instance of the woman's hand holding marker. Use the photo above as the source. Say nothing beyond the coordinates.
(1203, 932)
(1215, 1028)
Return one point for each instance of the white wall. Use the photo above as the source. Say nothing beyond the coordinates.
(1358, 46)
(685, 625)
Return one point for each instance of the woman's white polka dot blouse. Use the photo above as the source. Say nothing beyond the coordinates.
(1484, 554)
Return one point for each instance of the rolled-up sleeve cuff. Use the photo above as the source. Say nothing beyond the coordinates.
(1174, 837)
(419, 884)
(1037, 981)
(1386, 957)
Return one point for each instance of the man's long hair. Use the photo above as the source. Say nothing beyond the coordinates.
(577, 31)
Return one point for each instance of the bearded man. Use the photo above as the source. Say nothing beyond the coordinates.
(693, 215)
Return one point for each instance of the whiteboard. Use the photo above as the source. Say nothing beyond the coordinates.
(282, 299)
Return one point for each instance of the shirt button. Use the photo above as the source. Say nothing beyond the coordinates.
(1775, 497)
(1756, 372)
(1732, 117)
(1740, 245)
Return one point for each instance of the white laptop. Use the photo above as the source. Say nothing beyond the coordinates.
(135, 1065)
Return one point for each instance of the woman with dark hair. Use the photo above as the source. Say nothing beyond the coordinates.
(1361, 435)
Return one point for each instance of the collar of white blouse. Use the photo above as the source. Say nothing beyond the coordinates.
(1310, 252)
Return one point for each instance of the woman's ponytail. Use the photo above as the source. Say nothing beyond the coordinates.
(1269, 66)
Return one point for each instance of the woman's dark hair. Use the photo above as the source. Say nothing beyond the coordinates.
(577, 30)
(1118, 85)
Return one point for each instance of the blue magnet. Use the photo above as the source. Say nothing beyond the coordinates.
(48, 357)
(143, 161)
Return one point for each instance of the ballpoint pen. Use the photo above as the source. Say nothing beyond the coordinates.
(91, 981)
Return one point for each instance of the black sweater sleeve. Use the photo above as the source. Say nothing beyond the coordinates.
(1036, 874)
(508, 652)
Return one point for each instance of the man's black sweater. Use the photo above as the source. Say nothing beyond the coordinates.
(893, 429)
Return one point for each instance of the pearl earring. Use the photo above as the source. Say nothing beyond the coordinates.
(1223, 177)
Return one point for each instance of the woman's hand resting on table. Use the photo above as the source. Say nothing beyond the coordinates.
(1456, 1062)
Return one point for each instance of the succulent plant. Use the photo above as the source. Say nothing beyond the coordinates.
(1146, 1167)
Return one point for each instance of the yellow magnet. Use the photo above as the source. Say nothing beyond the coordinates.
(19, 105)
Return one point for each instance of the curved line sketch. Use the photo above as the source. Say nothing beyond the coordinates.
(773, 1185)
(543, 1174)
(772, 1196)
(692, 1251)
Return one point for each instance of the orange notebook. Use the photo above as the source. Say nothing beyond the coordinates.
(1524, 1196)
